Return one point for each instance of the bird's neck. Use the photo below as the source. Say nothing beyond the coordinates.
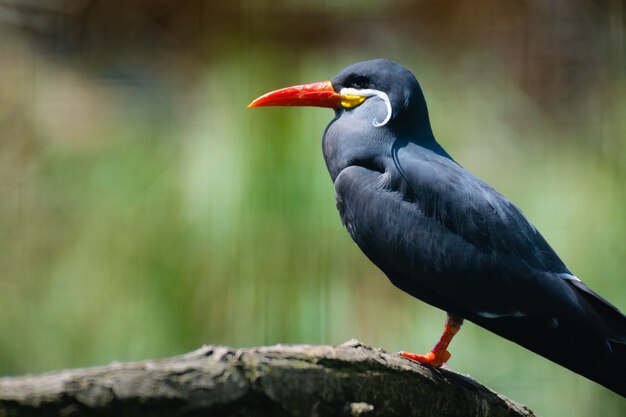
(352, 139)
(414, 124)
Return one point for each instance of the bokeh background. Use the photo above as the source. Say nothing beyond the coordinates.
(144, 211)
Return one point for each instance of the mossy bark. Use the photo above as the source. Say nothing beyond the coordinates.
(282, 380)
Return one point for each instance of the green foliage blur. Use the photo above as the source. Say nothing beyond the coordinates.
(144, 211)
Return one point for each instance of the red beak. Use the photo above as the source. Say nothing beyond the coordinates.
(320, 94)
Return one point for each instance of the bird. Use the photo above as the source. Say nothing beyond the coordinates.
(446, 237)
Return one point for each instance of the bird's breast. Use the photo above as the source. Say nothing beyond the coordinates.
(369, 208)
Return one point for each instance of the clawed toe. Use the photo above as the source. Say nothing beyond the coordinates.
(432, 358)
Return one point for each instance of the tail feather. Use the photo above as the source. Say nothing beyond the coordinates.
(610, 315)
(580, 350)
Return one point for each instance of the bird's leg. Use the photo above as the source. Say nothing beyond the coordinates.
(439, 355)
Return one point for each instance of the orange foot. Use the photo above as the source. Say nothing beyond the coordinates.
(431, 358)
(439, 355)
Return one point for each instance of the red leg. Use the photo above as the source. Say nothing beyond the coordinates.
(439, 355)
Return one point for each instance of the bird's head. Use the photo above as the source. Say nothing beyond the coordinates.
(379, 90)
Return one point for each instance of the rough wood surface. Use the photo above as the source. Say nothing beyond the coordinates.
(282, 380)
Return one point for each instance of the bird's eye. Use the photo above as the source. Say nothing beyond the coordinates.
(358, 82)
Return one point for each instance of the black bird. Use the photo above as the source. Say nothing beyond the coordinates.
(445, 236)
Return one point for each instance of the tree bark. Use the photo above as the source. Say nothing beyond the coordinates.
(282, 380)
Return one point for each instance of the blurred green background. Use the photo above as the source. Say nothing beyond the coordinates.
(144, 211)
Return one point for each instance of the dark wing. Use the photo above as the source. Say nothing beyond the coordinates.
(437, 229)
(471, 209)
(432, 255)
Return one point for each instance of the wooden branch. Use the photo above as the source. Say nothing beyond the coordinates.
(282, 380)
